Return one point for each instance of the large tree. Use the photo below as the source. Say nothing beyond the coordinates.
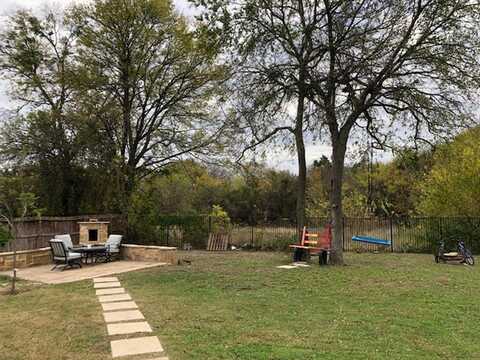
(270, 86)
(385, 67)
(36, 57)
(150, 81)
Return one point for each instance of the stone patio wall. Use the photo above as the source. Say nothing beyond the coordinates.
(166, 254)
(25, 258)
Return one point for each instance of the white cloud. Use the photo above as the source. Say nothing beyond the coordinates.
(287, 160)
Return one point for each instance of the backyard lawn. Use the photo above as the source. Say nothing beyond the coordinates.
(240, 306)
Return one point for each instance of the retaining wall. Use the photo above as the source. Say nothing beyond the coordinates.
(25, 258)
(166, 254)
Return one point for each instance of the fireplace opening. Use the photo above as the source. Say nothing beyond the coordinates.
(92, 234)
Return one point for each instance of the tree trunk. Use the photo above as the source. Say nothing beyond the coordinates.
(302, 165)
(339, 147)
(129, 188)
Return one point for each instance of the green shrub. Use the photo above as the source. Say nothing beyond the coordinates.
(219, 220)
(451, 230)
(5, 235)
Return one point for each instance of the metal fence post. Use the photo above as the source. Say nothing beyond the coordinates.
(168, 233)
(391, 233)
(440, 228)
(251, 237)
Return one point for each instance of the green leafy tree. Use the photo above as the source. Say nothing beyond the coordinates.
(318, 188)
(452, 187)
(150, 81)
(36, 57)
(393, 188)
(373, 189)
(5, 235)
(220, 220)
(15, 204)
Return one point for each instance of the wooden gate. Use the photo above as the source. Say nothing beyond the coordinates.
(218, 242)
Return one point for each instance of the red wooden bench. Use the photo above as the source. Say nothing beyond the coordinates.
(313, 244)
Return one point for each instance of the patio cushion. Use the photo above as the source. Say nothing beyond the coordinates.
(113, 243)
(58, 248)
(70, 256)
(67, 240)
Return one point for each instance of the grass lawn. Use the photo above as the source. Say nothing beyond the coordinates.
(239, 306)
(52, 322)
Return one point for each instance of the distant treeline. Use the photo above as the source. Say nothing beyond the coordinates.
(443, 182)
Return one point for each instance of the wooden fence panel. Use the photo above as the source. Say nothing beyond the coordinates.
(34, 233)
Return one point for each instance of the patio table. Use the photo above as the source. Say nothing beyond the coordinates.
(90, 252)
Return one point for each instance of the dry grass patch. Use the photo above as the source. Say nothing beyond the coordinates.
(52, 322)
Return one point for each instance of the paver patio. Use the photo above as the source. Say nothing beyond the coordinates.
(44, 275)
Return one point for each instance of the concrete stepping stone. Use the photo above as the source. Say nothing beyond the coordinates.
(286, 267)
(300, 264)
(128, 328)
(137, 346)
(106, 285)
(119, 305)
(112, 298)
(110, 291)
(117, 316)
(105, 279)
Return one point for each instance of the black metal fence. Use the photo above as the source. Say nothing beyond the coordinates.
(414, 234)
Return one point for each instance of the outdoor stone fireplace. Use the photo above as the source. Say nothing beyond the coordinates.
(93, 231)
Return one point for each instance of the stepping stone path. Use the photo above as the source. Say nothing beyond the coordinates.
(123, 318)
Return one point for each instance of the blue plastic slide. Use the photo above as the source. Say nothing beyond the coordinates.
(371, 240)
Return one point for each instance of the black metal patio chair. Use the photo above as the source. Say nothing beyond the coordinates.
(61, 255)
(112, 248)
